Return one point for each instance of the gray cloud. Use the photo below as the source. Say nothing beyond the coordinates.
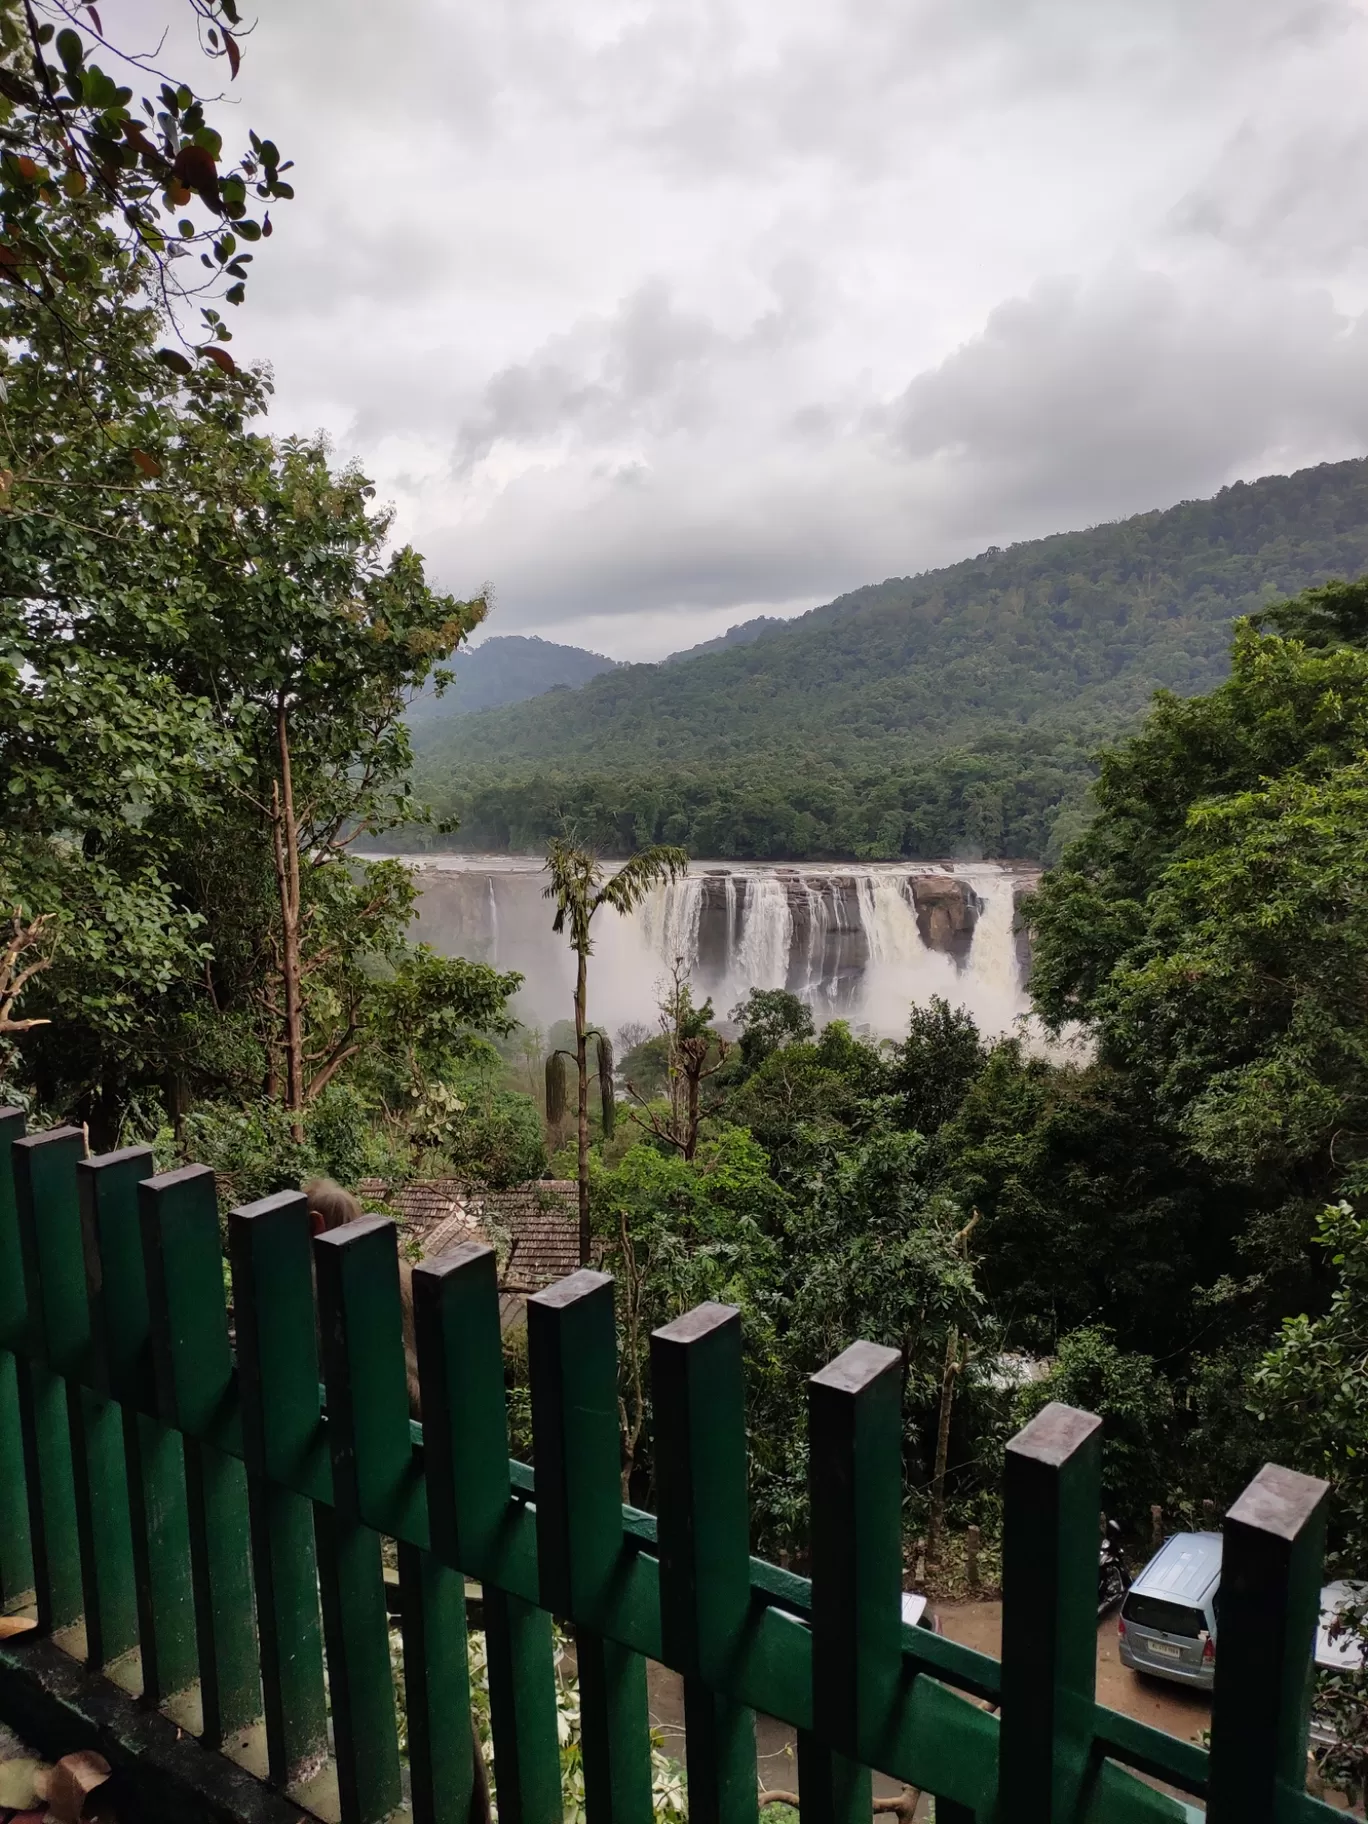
(661, 316)
(1138, 387)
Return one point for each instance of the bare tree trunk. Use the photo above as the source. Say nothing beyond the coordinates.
(936, 1523)
(582, 1061)
(286, 839)
(691, 1131)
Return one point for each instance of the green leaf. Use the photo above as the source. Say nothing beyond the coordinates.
(70, 49)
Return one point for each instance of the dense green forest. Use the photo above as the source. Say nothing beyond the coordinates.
(954, 712)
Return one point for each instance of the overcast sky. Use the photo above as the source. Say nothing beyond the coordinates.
(656, 316)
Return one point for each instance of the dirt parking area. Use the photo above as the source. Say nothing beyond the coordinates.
(1148, 1700)
(974, 1624)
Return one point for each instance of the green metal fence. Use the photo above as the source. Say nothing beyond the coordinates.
(218, 1511)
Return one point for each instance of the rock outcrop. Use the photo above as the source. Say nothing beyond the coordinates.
(1022, 891)
(947, 911)
(829, 946)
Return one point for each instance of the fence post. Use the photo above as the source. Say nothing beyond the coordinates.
(268, 1244)
(1156, 1526)
(442, 1750)
(116, 1286)
(465, 1419)
(1052, 1479)
(855, 1491)
(703, 1538)
(196, 1392)
(572, 1358)
(16, 1556)
(972, 1540)
(51, 1217)
(1270, 1599)
(368, 1439)
(855, 1499)
(465, 1449)
(44, 1413)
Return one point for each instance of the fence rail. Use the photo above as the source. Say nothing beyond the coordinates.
(216, 1511)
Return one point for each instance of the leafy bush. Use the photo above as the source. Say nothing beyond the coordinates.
(497, 1140)
(254, 1151)
(1134, 1402)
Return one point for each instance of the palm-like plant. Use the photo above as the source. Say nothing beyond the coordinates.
(579, 885)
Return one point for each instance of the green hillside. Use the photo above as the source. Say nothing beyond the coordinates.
(952, 711)
(507, 669)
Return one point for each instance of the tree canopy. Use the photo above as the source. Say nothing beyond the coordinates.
(949, 713)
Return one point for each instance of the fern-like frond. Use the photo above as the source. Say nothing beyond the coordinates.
(627, 888)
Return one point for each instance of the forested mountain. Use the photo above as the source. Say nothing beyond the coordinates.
(507, 669)
(745, 633)
(955, 710)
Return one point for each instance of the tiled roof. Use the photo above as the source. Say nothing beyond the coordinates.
(534, 1226)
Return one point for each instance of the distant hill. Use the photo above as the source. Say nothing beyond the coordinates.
(743, 634)
(953, 711)
(507, 669)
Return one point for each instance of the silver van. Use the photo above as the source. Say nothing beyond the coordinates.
(1167, 1625)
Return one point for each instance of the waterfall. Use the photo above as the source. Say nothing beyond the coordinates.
(993, 955)
(903, 970)
(762, 955)
(671, 917)
(890, 921)
(848, 939)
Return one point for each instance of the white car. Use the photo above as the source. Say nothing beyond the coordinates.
(1338, 1647)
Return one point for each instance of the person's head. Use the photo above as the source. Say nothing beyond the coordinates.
(329, 1205)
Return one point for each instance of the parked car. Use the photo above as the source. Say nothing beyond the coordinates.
(917, 1614)
(1339, 1647)
(1168, 1621)
(1336, 1710)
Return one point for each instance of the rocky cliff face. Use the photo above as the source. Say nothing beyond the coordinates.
(721, 912)
(1022, 891)
(829, 947)
(947, 911)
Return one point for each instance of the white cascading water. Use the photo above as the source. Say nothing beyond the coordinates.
(844, 937)
(762, 956)
(670, 919)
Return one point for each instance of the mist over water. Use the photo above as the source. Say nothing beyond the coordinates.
(862, 943)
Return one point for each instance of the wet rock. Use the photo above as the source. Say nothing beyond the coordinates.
(721, 911)
(947, 912)
(829, 947)
(1021, 937)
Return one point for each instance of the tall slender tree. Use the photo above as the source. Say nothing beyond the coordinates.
(579, 886)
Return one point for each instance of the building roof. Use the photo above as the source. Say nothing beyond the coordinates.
(534, 1227)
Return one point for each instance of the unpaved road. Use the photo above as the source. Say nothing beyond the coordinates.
(974, 1624)
(1148, 1700)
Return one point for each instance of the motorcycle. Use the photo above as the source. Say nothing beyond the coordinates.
(1113, 1579)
